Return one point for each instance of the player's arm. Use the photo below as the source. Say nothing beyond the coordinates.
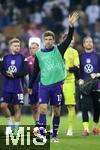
(24, 70)
(2, 68)
(64, 45)
(76, 68)
(1, 65)
(94, 75)
(81, 81)
(0, 62)
(35, 73)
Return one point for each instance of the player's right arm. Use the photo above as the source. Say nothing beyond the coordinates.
(2, 68)
(81, 81)
(0, 64)
(34, 75)
(76, 66)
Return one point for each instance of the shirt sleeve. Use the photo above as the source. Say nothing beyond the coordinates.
(2, 69)
(76, 59)
(0, 65)
(35, 72)
(72, 64)
(64, 45)
(99, 61)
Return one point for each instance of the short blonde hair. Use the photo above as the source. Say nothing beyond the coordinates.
(14, 40)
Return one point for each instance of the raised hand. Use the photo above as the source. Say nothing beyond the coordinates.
(73, 17)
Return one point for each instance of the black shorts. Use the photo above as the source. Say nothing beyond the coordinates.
(96, 100)
(86, 102)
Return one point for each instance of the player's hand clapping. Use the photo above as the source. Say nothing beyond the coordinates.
(29, 91)
(9, 74)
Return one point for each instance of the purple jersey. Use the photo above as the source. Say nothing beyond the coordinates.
(89, 63)
(15, 64)
(52, 93)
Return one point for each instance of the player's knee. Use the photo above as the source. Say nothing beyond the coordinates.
(17, 109)
(43, 110)
(35, 109)
(3, 106)
(56, 113)
(71, 107)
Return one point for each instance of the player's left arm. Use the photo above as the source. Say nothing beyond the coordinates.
(2, 68)
(64, 45)
(98, 56)
(1, 65)
(93, 75)
(24, 70)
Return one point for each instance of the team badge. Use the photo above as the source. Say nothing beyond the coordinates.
(12, 62)
(88, 68)
(88, 60)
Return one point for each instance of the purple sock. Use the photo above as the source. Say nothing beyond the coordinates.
(42, 120)
(56, 121)
(37, 123)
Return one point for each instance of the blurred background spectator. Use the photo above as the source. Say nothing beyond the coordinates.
(27, 18)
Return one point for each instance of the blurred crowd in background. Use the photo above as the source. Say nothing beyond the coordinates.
(26, 18)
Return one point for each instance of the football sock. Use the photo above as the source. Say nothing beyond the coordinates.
(86, 125)
(37, 124)
(85, 115)
(9, 121)
(42, 120)
(56, 121)
(95, 125)
(71, 116)
(16, 124)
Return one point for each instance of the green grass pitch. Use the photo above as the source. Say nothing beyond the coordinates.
(77, 142)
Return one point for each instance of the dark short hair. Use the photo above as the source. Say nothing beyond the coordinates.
(49, 33)
(14, 40)
(86, 37)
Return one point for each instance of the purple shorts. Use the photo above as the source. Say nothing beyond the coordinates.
(33, 98)
(12, 98)
(53, 93)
